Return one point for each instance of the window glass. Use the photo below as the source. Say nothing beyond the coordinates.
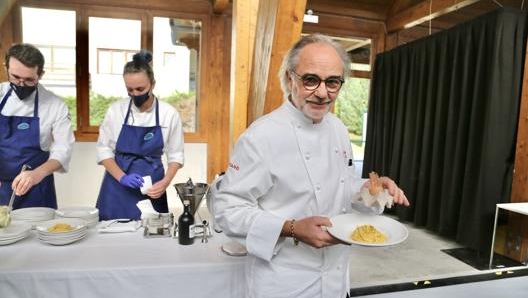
(112, 42)
(176, 51)
(58, 50)
(351, 107)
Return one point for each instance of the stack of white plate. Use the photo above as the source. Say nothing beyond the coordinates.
(89, 214)
(33, 215)
(14, 232)
(77, 232)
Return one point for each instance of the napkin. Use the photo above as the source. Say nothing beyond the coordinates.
(147, 184)
(146, 208)
(114, 226)
(383, 198)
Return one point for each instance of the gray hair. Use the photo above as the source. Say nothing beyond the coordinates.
(291, 59)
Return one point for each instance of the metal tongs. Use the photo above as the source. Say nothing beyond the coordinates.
(13, 195)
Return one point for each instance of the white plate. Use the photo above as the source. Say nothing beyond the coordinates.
(15, 229)
(78, 212)
(14, 232)
(33, 213)
(77, 224)
(343, 225)
(64, 241)
(234, 248)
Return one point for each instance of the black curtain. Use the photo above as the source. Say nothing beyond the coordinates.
(442, 122)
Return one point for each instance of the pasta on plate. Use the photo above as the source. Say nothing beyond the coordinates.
(60, 227)
(368, 234)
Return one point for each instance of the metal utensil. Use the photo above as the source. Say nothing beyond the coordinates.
(118, 220)
(13, 195)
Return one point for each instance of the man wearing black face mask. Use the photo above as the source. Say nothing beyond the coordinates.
(35, 130)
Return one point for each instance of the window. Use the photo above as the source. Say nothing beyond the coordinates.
(58, 49)
(111, 61)
(352, 104)
(351, 107)
(89, 78)
(112, 42)
(176, 78)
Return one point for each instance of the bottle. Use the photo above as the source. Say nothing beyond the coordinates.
(186, 225)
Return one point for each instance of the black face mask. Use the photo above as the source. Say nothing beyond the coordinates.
(23, 91)
(139, 100)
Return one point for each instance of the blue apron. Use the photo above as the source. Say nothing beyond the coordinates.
(138, 150)
(19, 145)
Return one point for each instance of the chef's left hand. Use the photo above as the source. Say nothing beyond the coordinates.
(25, 181)
(397, 193)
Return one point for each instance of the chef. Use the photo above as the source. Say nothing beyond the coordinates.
(35, 130)
(291, 171)
(135, 133)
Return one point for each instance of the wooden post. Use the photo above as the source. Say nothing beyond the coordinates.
(516, 244)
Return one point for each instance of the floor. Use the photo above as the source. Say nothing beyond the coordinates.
(504, 288)
(416, 263)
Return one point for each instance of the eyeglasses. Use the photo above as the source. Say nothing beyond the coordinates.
(18, 80)
(311, 82)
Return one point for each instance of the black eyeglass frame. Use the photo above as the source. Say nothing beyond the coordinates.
(30, 82)
(303, 78)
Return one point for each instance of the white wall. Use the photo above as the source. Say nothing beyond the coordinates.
(80, 186)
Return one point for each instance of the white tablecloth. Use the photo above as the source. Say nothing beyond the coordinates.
(120, 265)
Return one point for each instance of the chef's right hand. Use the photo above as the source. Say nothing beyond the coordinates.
(131, 180)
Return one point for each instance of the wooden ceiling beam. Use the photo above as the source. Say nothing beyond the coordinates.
(423, 12)
(5, 8)
(398, 6)
(346, 9)
(219, 6)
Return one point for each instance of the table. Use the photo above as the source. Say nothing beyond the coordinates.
(120, 265)
(521, 208)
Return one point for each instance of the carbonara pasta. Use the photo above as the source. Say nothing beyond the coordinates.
(368, 234)
(60, 227)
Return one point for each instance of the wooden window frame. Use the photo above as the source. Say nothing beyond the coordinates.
(89, 133)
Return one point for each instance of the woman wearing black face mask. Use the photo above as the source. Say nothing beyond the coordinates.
(35, 129)
(133, 136)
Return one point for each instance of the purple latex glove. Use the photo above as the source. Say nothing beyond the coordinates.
(132, 181)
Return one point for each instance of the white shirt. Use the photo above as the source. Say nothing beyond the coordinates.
(169, 120)
(56, 133)
(285, 167)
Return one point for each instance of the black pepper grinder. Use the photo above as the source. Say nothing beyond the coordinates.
(186, 225)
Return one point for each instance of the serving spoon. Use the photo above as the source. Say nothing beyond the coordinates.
(13, 195)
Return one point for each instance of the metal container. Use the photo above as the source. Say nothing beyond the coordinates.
(156, 225)
(193, 192)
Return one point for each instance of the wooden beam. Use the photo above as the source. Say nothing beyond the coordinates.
(286, 31)
(265, 30)
(243, 40)
(519, 192)
(346, 8)
(6, 31)
(214, 106)
(397, 6)
(423, 12)
(219, 6)
(5, 8)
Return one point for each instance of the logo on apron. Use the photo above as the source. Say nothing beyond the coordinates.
(23, 126)
(148, 136)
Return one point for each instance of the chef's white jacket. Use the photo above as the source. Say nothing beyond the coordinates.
(169, 120)
(285, 167)
(56, 133)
